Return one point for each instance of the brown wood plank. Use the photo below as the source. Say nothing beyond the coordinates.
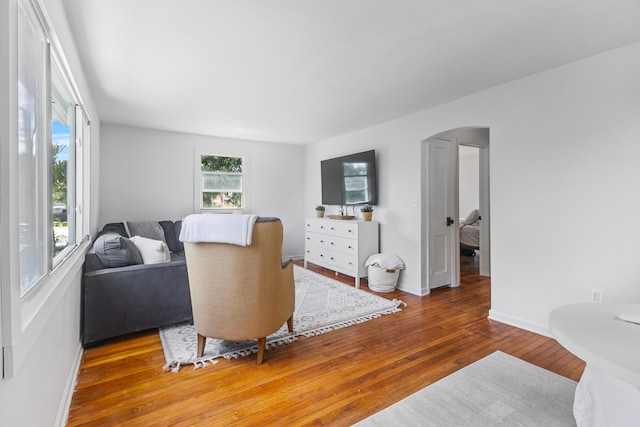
(337, 378)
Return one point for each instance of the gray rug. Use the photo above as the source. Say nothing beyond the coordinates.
(499, 390)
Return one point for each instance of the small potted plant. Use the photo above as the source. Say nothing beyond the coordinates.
(367, 212)
(319, 211)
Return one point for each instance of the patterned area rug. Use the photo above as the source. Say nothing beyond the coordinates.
(322, 305)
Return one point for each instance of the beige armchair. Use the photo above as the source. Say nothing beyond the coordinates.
(241, 292)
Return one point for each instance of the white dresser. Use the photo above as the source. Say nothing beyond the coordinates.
(341, 245)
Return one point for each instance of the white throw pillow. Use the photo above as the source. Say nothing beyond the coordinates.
(152, 251)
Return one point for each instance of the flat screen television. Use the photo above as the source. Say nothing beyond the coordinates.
(350, 180)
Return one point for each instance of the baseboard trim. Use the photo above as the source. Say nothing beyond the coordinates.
(70, 385)
(518, 322)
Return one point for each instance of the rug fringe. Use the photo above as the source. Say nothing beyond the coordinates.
(351, 322)
(269, 345)
(175, 361)
(173, 366)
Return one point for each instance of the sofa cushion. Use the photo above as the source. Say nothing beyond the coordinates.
(114, 250)
(152, 251)
(177, 229)
(148, 229)
(171, 233)
(115, 227)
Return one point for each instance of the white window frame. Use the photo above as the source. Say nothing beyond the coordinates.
(23, 315)
(197, 181)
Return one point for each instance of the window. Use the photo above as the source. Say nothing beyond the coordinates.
(63, 162)
(51, 127)
(33, 58)
(221, 182)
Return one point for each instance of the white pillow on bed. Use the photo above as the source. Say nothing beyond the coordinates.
(152, 251)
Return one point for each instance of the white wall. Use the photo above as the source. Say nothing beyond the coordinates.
(42, 337)
(564, 176)
(148, 175)
(469, 179)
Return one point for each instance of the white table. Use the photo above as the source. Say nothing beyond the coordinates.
(609, 390)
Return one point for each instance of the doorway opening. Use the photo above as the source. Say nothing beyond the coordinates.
(440, 216)
(469, 206)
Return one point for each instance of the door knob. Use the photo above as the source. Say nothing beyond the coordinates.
(449, 221)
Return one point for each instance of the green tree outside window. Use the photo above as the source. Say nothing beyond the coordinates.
(222, 182)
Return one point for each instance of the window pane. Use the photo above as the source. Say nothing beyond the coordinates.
(32, 101)
(221, 200)
(63, 116)
(221, 163)
(222, 182)
(62, 197)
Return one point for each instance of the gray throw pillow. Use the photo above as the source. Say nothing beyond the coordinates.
(113, 250)
(149, 229)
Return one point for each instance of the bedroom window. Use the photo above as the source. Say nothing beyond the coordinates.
(221, 182)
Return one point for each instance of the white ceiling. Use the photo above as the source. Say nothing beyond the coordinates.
(300, 71)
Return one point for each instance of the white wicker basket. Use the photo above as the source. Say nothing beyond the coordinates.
(382, 280)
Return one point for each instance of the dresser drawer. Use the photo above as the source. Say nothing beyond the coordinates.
(341, 244)
(317, 226)
(346, 263)
(319, 240)
(346, 229)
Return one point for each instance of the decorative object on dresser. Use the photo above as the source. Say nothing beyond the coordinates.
(319, 211)
(342, 246)
(367, 212)
(341, 217)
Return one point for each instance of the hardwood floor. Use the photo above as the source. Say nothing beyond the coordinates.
(336, 379)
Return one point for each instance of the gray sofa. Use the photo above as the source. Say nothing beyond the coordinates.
(121, 295)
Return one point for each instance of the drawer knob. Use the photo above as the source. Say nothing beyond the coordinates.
(350, 231)
(332, 229)
(333, 244)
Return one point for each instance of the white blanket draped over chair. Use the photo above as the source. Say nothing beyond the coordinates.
(218, 228)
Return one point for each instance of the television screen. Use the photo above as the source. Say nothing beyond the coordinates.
(350, 180)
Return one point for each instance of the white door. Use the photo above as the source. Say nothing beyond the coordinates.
(442, 208)
(485, 214)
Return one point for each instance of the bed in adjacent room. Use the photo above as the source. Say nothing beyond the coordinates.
(470, 233)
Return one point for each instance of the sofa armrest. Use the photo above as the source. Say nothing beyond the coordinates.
(121, 300)
(91, 261)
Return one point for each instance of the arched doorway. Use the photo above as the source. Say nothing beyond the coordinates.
(440, 214)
